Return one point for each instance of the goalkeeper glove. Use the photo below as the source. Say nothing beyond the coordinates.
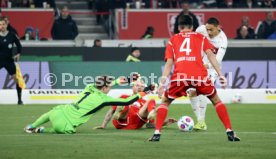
(150, 88)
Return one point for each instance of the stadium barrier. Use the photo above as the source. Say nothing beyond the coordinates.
(41, 19)
(65, 96)
(131, 23)
(75, 75)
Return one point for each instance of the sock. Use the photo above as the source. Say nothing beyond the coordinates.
(223, 115)
(161, 115)
(151, 105)
(202, 108)
(19, 92)
(44, 118)
(195, 105)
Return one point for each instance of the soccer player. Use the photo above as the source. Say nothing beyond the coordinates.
(217, 37)
(66, 118)
(7, 41)
(184, 51)
(135, 115)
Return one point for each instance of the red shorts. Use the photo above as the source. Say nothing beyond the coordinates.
(178, 88)
(133, 121)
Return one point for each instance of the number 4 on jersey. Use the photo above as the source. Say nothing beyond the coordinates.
(185, 46)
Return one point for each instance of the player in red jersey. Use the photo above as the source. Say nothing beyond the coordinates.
(134, 116)
(185, 51)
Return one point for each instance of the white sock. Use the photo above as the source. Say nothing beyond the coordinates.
(157, 132)
(202, 108)
(195, 105)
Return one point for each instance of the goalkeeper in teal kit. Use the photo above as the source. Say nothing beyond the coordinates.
(66, 118)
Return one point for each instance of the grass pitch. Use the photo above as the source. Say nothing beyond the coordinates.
(254, 124)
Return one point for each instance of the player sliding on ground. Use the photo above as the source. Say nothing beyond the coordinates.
(184, 51)
(66, 118)
(136, 115)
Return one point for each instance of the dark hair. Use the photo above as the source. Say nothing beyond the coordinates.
(149, 31)
(186, 21)
(103, 81)
(134, 48)
(2, 18)
(214, 21)
(95, 41)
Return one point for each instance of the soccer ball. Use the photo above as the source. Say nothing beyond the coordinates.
(185, 123)
(237, 98)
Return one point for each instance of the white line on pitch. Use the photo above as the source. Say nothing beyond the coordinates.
(124, 133)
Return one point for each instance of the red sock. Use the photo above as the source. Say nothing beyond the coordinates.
(151, 105)
(223, 115)
(161, 115)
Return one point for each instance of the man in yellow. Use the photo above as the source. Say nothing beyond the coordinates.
(134, 56)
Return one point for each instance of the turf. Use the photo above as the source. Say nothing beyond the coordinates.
(255, 124)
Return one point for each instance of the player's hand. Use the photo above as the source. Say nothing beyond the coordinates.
(160, 91)
(17, 57)
(98, 127)
(223, 81)
(170, 121)
(150, 88)
(134, 76)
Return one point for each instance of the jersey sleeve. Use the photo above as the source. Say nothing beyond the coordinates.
(222, 50)
(114, 107)
(169, 50)
(201, 29)
(207, 45)
(110, 101)
(17, 43)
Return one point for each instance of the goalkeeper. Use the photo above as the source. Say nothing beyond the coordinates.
(66, 118)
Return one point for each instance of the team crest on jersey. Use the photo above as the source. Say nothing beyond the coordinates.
(10, 46)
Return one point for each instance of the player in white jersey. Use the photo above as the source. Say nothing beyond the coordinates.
(218, 38)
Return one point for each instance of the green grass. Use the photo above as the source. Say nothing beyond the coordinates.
(255, 124)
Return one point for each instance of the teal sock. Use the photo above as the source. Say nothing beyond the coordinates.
(41, 120)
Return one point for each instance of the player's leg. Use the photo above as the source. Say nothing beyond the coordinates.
(121, 112)
(224, 117)
(59, 124)
(175, 90)
(202, 108)
(44, 118)
(151, 109)
(201, 111)
(11, 68)
(19, 91)
(198, 109)
(161, 115)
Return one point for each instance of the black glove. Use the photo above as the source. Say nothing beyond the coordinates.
(150, 88)
(133, 77)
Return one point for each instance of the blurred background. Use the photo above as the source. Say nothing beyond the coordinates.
(116, 37)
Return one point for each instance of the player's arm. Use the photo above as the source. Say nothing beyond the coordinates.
(107, 119)
(169, 56)
(212, 58)
(207, 48)
(220, 52)
(166, 72)
(18, 47)
(126, 80)
(109, 101)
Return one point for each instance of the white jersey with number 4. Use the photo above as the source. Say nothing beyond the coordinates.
(220, 42)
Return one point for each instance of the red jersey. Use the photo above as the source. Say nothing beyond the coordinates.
(133, 120)
(186, 49)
